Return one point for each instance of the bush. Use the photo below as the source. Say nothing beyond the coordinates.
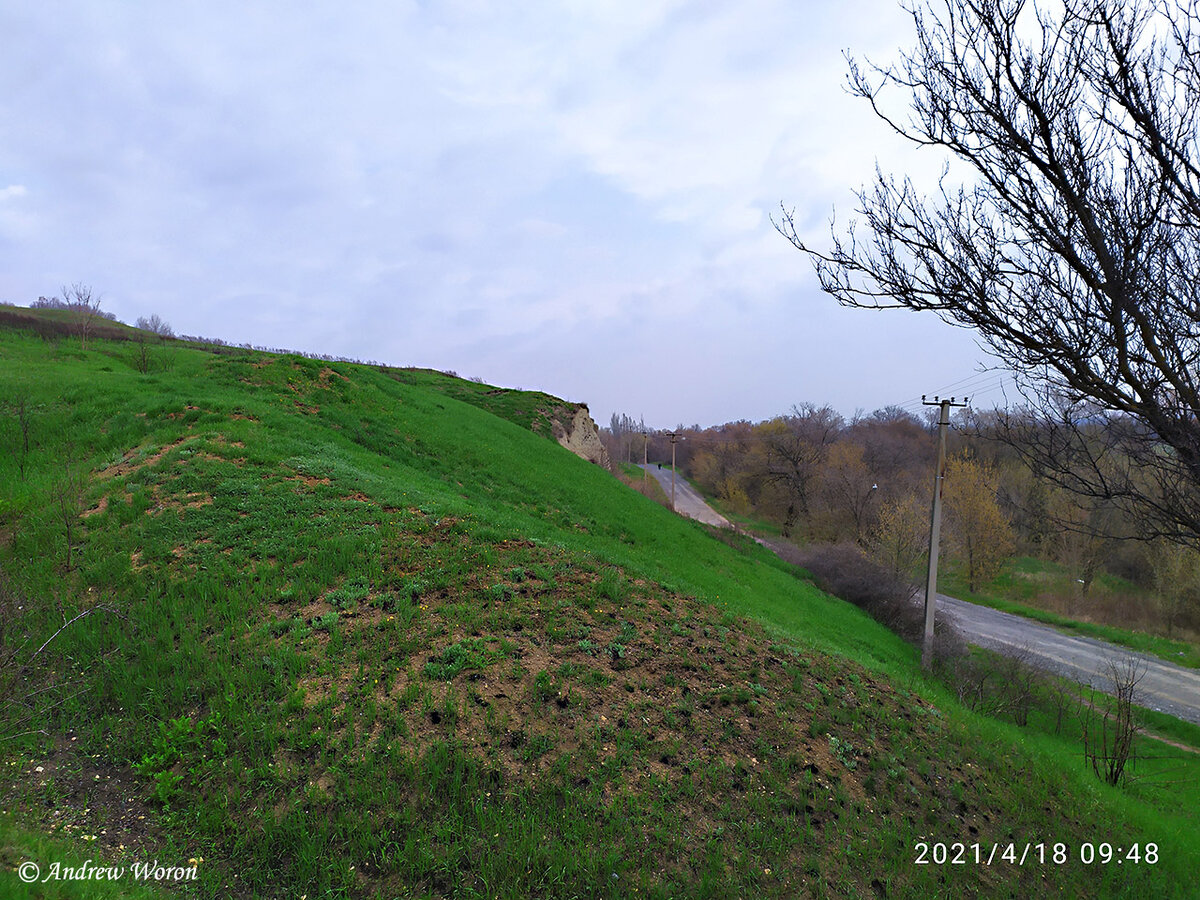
(845, 571)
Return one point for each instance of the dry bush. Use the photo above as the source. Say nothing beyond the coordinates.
(845, 571)
(1105, 608)
(67, 495)
(1109, 729)
(647, 485)
(1000, 685)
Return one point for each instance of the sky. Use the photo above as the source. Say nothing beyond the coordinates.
(574, 197)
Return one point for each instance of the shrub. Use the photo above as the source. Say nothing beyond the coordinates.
(845, 571)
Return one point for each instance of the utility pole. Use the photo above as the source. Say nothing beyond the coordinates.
(645, 460)
(935, 526)
(674, 436)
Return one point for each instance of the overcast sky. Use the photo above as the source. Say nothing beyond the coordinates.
(566, 196)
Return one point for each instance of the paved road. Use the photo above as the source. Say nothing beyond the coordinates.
(687, 501)
(1165, 687)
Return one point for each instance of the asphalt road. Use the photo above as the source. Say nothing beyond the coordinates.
(687, 501)
(1165, 687)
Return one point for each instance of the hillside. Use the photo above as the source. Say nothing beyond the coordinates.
(346, 634)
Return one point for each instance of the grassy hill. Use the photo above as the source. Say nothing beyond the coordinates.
(345, 633)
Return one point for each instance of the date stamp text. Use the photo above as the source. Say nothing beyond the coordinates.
(1088, 853)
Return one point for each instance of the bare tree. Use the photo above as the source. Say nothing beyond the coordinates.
(793, 451)
(155, 325)
(850, 489)
(67, 495)
(1073, 243)
(86, 306)
(623, 429)
(21, 407)
(141, 355)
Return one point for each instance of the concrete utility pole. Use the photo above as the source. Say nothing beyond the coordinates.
(935, 526)
(674, 436)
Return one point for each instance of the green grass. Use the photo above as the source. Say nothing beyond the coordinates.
(1021, 581)
(1170, 727)
(22, 845)
(353, 636)
(645, 483)
(1164, 766)
(632, 470)
(750, 523)
(533, 410)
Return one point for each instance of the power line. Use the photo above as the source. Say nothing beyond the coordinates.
(991, 383)
(972, 384)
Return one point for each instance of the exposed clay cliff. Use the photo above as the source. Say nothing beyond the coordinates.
(551, 417)
(581, 436)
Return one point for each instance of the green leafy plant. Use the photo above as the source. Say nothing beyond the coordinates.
(844, 751)
(325, 621)
(177, 741)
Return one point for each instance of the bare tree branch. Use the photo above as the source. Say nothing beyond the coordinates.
(1072, 246)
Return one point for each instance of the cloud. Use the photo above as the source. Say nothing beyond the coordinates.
(17, 221)
(448, 183)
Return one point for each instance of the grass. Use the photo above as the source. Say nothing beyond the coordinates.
(20, 845)
(1021, 586)
(1164, 765)
(352, 635)
(644, 483)
(536, 411)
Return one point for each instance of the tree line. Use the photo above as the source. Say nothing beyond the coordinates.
(821, 478)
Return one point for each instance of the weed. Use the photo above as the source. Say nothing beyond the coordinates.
(538, 746)
(470, 653)
(499, 593)
(176, 741)
(843, 750)
(348, 596)
(545, 686)
(325, 621)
